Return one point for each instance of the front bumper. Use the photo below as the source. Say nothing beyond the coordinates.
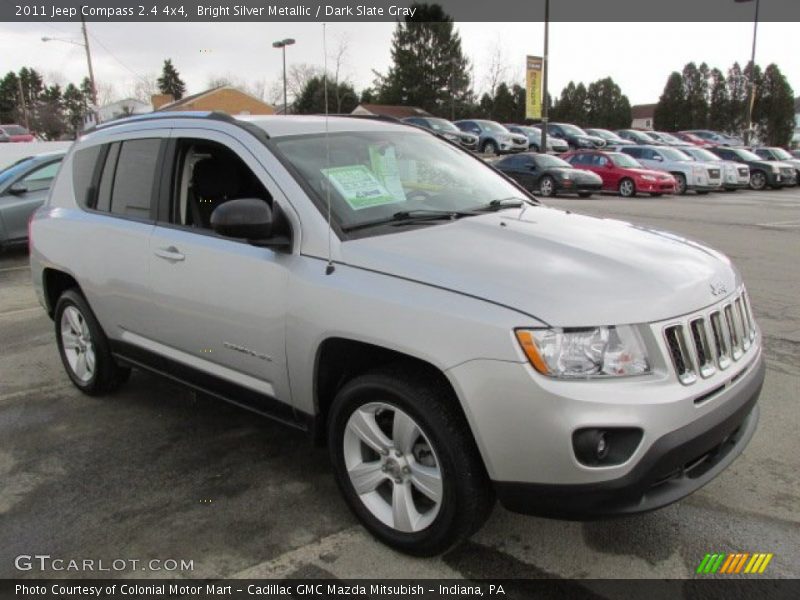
(676, 465)
(577, 187)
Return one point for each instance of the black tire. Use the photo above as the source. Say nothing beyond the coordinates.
(547, 186)
(627, 188)
(491, 147)
(533, 148)
(758, 180)
(584, 194)
(680, 178)
(106, 375)
(467, 494)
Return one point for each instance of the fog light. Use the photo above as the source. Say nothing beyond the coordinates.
(605, 447)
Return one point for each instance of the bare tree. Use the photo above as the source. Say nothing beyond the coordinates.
(496, 66)
(339, 57)
(106, 93)
(297, 76)
(145, 88)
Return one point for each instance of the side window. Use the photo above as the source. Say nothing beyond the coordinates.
(208, 174)
(84, 167)
(103, 201)
(634, 152)
(135, 178)
(41, 178)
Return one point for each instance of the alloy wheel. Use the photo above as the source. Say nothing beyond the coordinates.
(758, 181)
(76, 340)
(393, 467)
(626, 188)
(546, 187)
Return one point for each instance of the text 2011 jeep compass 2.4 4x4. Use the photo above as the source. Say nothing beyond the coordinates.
(449, 338)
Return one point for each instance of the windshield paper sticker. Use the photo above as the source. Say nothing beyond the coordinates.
(359, 187)
(384, 165)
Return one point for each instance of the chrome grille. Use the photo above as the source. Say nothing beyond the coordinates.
(713, 173)
(703, 343)
(744, 171)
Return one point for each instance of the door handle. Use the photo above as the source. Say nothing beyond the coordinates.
(170, 253)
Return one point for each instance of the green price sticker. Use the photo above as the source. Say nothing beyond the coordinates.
(359, 187)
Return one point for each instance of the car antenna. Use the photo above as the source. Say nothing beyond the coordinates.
(329, 268)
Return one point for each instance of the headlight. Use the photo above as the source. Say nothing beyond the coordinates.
(584, 353)
(648, 178)
(566, 176)
(775, 169)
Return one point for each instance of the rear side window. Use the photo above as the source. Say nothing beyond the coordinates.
(84, 166)
(134, 178)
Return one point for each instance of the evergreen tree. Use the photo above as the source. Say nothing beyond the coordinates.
(504, 106)
(773, 117)
(311, 99)
(367, 95)
(669, 114)
(429, 69)
(738, 95)
(572, 105)
(719, 106)
(518, 92)
(74, 109)
(170, 81)
(607, 106)
(9, 98)
(695, 95)
(50, 118)
(486, 106)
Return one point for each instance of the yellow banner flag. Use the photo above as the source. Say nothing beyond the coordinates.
(533, 87)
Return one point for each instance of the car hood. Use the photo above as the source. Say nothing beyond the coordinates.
(562, 268)
(578, 174)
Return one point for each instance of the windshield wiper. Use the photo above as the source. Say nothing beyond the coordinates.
(404, 217)
(501, 203)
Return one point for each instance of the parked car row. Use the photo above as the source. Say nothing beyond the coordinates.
(15, 133)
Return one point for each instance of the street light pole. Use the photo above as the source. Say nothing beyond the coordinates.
(85, 45)
(282, 45)
(543, 146)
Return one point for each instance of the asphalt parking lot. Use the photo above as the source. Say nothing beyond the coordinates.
(154, 472)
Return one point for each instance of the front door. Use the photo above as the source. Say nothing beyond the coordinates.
(220, 303)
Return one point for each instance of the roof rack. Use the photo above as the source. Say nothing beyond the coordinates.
(157, 115)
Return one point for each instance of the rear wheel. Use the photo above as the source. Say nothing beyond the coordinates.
(84, 348)
(406, 462)
(547, 186)
(627, 189)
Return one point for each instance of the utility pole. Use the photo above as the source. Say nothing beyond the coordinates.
(91, 70)
(543, 147)
(752, 79)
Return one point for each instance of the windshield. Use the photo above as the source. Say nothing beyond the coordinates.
(604, 133)
(781, 153)
(492, 126)
(641, 136)
(672, 154)
(546, 161)
(623, 160)
(701, 154)
(374, 175)
(529, 131)
(668, 137)
(443, 125)
(14, 130)
(15, 169)
(745, 154)
(572, 129)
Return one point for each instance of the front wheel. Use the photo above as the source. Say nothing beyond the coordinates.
(758, 180)
(627, 189)
(490, 148)
(681, 187)
(406, 462)
(84, 348)
(547, 186)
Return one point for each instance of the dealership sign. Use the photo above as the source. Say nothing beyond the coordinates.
(533, 87)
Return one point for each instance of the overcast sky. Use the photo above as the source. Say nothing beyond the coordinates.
(639, 56)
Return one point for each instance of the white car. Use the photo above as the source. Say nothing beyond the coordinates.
(702, 177)
(735, 175)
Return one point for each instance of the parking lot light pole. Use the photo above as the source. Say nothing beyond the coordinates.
(752, 81)
(282, 45)
(543, 147)
(85, 45)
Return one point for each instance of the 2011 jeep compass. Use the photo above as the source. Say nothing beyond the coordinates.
(449, 338)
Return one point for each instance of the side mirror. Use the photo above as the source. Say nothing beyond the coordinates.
(246, 218)
(18, 189)
(658, 158)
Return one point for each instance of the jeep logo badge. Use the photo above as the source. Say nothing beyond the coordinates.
(718, 288)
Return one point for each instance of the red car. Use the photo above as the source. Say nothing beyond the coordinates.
(622, 173)
(15, 133)
(692, 139)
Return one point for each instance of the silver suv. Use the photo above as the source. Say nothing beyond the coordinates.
(449, 338)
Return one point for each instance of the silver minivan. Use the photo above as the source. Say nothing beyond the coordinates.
(452, 340)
